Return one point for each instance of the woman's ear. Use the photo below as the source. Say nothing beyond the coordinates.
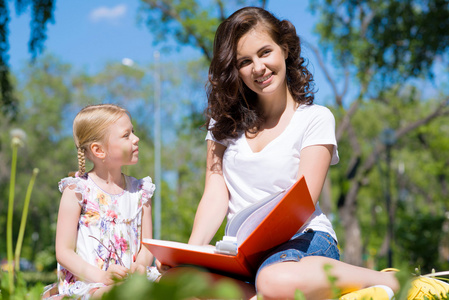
(285, 49)
(97, 150)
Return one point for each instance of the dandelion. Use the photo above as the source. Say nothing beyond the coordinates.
(18, 137)
(17, 140)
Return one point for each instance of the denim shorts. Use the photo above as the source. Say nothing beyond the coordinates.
(308, 243)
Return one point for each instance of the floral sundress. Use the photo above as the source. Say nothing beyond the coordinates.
(109, 228)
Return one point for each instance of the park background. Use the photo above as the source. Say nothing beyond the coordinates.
(380, 66)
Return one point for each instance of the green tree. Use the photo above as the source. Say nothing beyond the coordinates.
(392, 39)
(376, 44)
(41, 14)
(190, 22)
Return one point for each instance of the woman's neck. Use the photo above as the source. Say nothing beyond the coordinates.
(275, 105)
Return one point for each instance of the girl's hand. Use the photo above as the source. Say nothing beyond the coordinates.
(114, 273)
(136, 267)
(161, 268)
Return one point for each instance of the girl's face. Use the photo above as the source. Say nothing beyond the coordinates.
(122, 147)
(261, 62)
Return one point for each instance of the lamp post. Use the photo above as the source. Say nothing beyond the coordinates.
(388, 138)
(157, 147)
(157, 142)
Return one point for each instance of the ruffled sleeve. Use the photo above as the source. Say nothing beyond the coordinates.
(72, 182)
(78, 184)
(147, 188)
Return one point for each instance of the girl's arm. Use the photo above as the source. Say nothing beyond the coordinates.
(314, 164)
(66, 236)
(214, 203)
(144, 257)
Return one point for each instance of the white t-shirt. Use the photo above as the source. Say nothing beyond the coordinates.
(251, 176)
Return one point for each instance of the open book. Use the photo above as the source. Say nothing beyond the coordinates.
(250, 235)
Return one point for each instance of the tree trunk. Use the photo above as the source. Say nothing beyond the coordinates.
(352, 251)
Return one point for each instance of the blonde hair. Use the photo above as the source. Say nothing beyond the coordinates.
(90, 126)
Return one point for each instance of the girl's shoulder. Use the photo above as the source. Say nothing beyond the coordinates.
(78, 184)
(144, 185)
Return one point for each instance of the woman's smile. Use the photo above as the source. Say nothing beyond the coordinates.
(261, 63)
(264, 79)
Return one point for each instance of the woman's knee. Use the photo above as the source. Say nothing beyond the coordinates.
(278, 282)
(284, 279)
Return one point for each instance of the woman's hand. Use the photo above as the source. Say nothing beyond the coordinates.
(114, 273)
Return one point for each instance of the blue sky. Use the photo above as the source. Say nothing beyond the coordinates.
(89, 34)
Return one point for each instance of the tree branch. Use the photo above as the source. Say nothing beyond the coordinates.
(338, 96)
(191, 32)
(372, 159)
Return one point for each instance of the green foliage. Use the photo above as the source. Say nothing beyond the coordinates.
(190, 22)
(396, 38)
(45, 260)
(332, 280)
(21, 291)
(418, 176)
(12, 283)
(41, 14)
(183, 286)
(420, 240)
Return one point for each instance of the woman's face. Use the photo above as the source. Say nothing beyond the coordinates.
(261, 62)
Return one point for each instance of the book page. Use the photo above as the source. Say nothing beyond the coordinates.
(256, 217)
(178, 245)
(245, 221)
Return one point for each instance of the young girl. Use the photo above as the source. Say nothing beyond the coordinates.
(264, 134)
(103, 214)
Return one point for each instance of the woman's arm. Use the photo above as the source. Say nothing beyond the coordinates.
(144, 257)
(66, 236)
(214, 203)
(314, 164)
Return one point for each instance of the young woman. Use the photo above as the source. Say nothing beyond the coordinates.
(265, 132)
(103, 213)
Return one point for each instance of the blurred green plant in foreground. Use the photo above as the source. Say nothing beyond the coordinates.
(182, 286)
(13, 279)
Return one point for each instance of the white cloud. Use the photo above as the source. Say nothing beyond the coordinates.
(107, 13)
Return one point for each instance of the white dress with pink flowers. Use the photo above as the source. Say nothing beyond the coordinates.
(109, 228)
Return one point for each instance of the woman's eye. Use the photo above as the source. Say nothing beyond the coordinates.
(243, 63)
(266, 52)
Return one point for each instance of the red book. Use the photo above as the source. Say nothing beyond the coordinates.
(255, 231)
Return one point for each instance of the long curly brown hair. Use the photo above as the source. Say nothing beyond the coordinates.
(231, 104)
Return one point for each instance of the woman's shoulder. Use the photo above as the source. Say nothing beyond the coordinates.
(314, 111)
(313, 108)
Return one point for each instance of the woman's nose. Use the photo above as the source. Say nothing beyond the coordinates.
(258, 67)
